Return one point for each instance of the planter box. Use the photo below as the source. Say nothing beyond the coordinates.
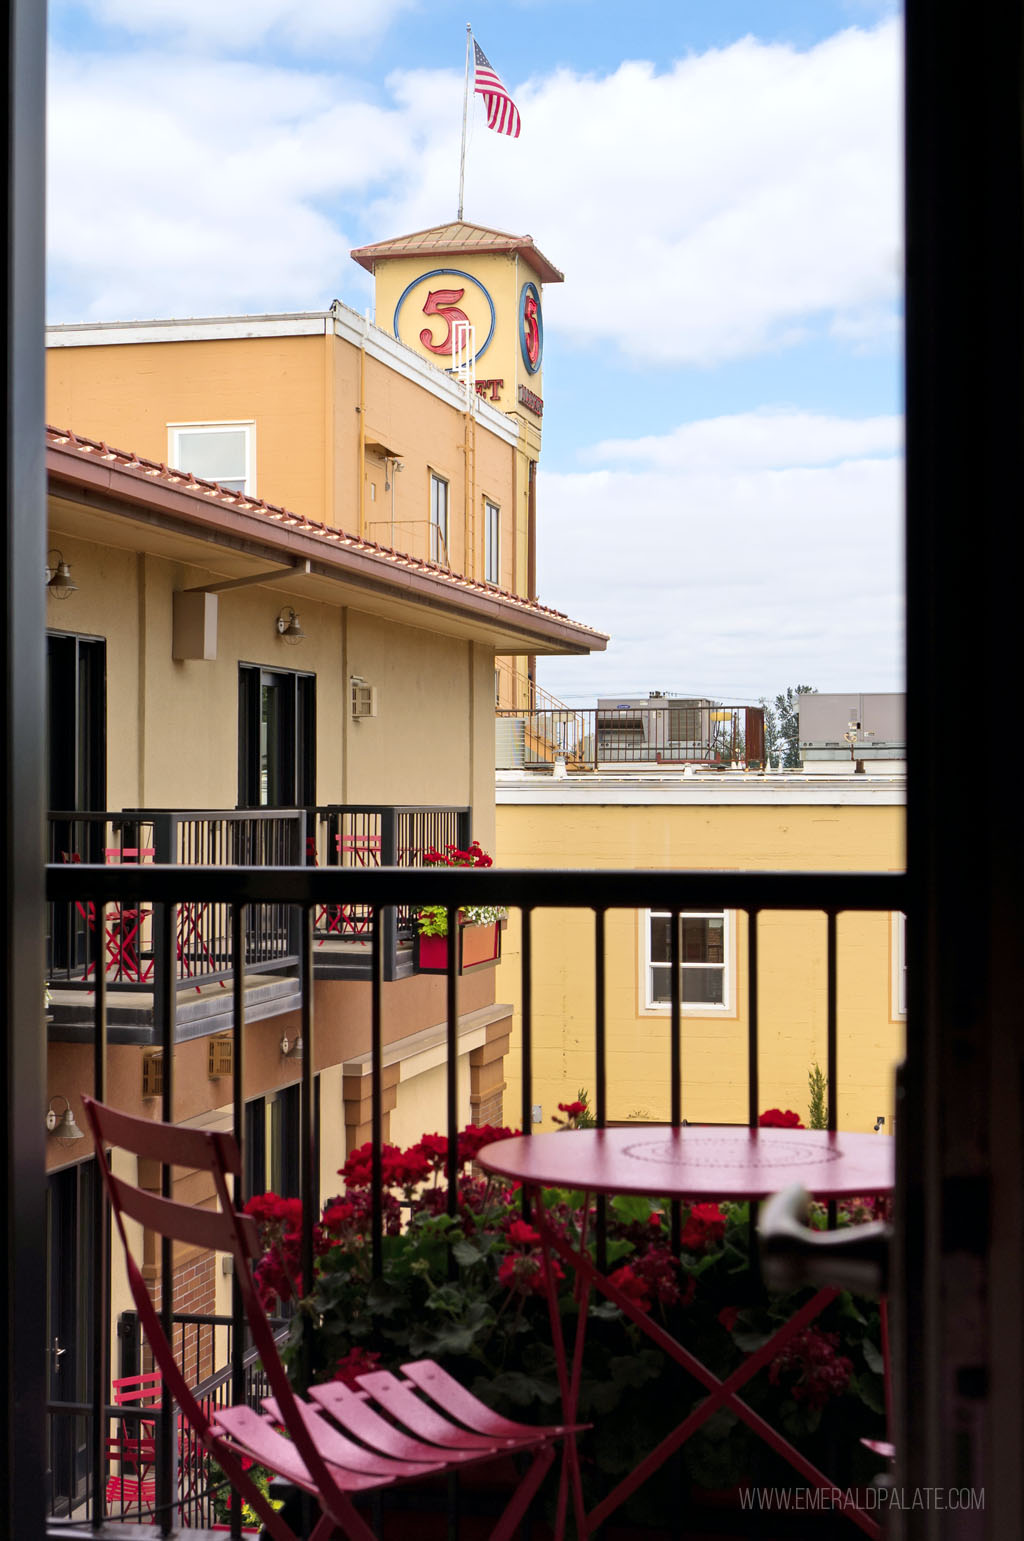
(478, 947)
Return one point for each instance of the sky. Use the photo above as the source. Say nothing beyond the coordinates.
(720, 487)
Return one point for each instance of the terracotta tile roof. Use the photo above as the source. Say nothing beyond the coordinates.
(211, 495)
(459, 237)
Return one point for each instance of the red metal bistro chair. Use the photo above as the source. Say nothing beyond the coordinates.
(131, 1486)
(125, 922)
(403, 1437)
(121, 939)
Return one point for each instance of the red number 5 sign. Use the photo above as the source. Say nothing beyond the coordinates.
(443, 303)
(463, 301)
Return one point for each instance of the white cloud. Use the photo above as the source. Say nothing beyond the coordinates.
(733, 579)
(238, 25)
(205, 189)
(771, 436)
(709, 212)
(740, 201)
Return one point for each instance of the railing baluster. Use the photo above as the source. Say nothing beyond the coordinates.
(753, 1086)
(526, 1018)
(100, 1240)
(452, 1067)
(376, 1099)
(165, 999)
(309, 1187)
(832, 1055)
(676, 1056)
(237, 1331)
(600, 1073)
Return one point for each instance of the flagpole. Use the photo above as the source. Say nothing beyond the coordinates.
(465, 115)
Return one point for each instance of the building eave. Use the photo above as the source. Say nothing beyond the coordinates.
(90, 476)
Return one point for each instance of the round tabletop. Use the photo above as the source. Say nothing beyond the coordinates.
(694, 1163)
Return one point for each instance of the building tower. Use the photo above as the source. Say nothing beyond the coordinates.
(470, 299)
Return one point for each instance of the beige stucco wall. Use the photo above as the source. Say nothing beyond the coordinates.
(315, 402)
(420, 1108)
(172, 726)
(792, 963)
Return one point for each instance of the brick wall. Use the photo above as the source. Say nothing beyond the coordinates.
(194, 1293)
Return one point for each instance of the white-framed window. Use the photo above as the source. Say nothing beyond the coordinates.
(899, 965)
(492, 542)
(438, 519)
(705, 953)
(217, 452)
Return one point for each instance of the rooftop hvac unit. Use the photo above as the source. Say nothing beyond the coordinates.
(364, 699)
(220, 1056)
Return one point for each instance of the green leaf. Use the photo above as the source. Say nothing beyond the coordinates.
(469, 1251)
(749, 1342)
(385, 1299)
(847, 1306)
(448, 1340)
(636, 1369)
(630, 1210)
(873, 1357)
(871, 1390)
(518, 1388)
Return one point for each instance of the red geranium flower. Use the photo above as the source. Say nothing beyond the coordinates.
(629, 1283)
(522, 1235)
(574, 1109)
(475, 1136)
(434, 1147)
(358, 1361)
(814, 1370)
(775, 1118)
(337, 1215)
(523, 1273)
(705, 1225)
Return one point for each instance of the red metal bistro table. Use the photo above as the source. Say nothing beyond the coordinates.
(688, 1164)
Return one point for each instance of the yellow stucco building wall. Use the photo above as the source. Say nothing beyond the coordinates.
(754, 823)
(346, 422)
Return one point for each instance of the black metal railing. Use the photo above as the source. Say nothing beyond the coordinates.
(381, 890)
(136, 837)
(355, 836)
(715, 737)
(200, 1341)
(344, 838)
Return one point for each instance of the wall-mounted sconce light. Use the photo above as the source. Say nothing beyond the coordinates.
(59, 581)
(288, 628)
(291, 1048)
(62, 1126)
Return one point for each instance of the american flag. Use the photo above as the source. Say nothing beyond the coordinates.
(502, 113)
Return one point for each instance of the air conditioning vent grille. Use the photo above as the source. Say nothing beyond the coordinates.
(153, 1073)
(221, 1057)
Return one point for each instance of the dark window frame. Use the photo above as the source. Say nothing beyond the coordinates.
(295, 772)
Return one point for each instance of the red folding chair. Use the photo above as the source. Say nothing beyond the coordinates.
(357, 851)
(131, 1486)
(404, 1437)
(328, 916)
(125, 921)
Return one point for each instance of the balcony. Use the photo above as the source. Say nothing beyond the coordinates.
(201, 956)
(639, 735)
(79, 1469)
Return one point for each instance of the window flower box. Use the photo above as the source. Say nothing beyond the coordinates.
(479, 925)
(478, 946)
